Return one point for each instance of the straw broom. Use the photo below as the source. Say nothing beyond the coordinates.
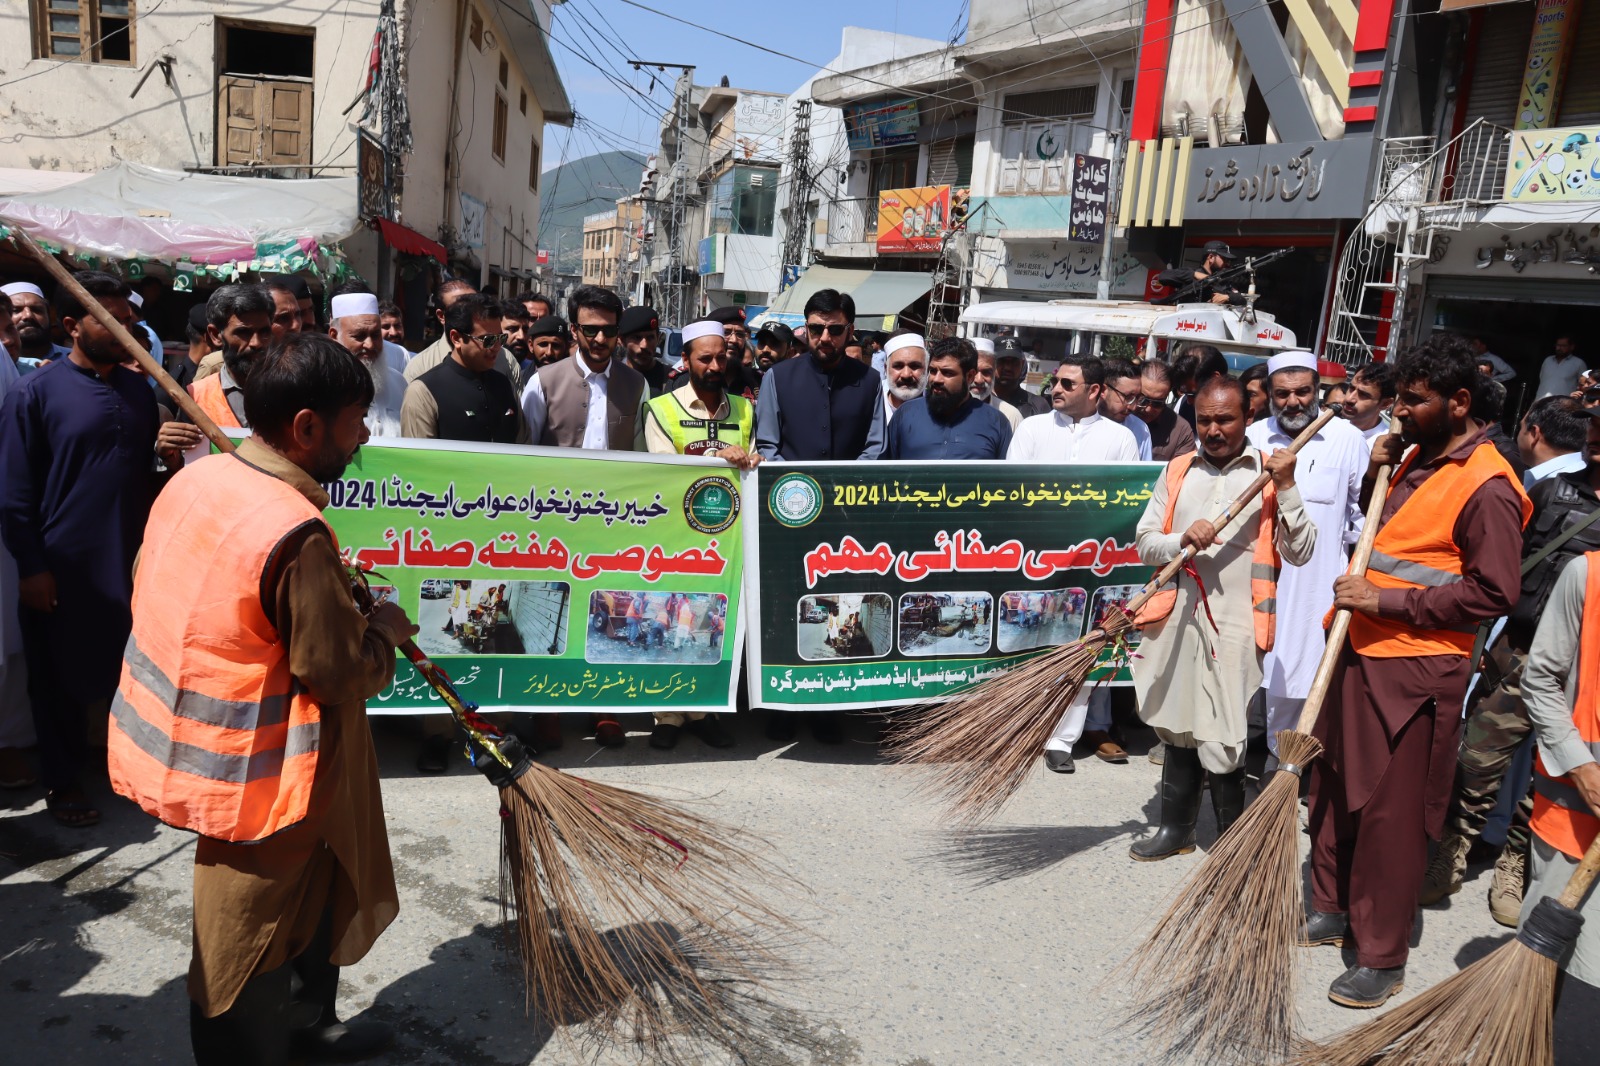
(1216, 977)
(1496, 1012)
(979, 745)
(633, 917)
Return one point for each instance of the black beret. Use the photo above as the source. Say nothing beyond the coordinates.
(638, 320)
(548, 326)
(727, 315)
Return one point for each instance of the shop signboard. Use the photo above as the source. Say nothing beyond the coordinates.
(473, 211)
(1058, 267)
(1296, 180)
(881, 125)
(1558, 164)
(913, 220)
(1091, 179)
(885, 584)
(1555, 27)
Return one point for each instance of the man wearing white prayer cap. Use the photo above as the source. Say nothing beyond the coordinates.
(905, 370)
(353, 321)
(31, 315)
(1328, 472)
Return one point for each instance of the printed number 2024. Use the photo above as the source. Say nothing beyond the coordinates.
(856, 495)
(354, 493)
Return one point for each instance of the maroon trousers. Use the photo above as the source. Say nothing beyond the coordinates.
(1377, 795)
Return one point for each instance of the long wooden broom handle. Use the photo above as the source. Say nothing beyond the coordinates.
(146, 362)
(1233, 511)
(1578, 884)
(1340, 628)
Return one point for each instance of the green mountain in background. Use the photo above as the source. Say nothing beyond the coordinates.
(577, 189)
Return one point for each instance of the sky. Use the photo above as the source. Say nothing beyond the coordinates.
(591, 34)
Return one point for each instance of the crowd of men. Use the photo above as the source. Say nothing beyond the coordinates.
(1229, 649)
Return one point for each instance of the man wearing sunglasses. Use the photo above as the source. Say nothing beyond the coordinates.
(1170, 435)
(451, 290)
(1118, 401)
(589, 400)
(821, 405)
(466, 397)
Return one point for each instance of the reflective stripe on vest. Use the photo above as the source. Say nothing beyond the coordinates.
(696, 436)
(1264, 563)
(207, 392)
(1416, 549)
(1561, 816)
(209, 730)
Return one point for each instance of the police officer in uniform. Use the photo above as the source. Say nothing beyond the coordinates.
(1195, 286)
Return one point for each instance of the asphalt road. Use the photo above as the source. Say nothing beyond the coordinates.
(929, 948)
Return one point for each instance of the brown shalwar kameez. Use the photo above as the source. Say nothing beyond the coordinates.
(1392, 728)
(257, 906)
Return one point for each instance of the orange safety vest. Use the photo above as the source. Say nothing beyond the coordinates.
(1264, 562)
(1416, 549)
(1561, 817)
(207, 392)
(209, 731)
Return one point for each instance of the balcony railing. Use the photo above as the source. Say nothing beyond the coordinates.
(853, 221)
(1474, 169)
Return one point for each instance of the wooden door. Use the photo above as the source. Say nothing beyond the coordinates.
(263, 122)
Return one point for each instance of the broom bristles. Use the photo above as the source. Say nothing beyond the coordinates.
(1216, 978)
(635, 919)
(980, 744)
(1496, 1012)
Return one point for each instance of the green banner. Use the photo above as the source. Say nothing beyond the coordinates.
(548, 579)
(893, 583)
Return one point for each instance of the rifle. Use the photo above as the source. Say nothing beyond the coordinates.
(1192, 286)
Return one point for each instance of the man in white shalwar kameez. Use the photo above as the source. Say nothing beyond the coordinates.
(1328, 474)
(1200, 661)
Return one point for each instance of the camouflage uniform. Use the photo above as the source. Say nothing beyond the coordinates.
(1496, 727)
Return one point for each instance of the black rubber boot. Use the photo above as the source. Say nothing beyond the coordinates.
(252, 1032)
(1227, 799)
(1181, 778)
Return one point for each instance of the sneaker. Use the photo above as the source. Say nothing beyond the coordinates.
(1445, 872)
(1505, 890)
(1158, 754)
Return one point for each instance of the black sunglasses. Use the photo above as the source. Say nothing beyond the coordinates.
(834, 330)
(591, 332)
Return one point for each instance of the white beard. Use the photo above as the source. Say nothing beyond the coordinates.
(1293, 427)
(984, 392)
(377, 369)
(904, 393)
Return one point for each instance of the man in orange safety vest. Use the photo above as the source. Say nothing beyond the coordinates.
(241, 716)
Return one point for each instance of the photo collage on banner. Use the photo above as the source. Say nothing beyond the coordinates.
(546, 580)
(894, 583)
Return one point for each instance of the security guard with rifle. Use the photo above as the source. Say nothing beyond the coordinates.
(1202, 285)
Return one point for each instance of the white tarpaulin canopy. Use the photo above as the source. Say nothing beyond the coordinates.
(878, 294)
(1189, 322)
(130, 211)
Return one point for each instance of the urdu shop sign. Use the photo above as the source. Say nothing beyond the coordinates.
(1297, 180)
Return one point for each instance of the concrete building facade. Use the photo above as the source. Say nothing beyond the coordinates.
(208, 86)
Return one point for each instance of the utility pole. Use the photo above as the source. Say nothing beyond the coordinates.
(797, 237)
(1102, 286)
(673, 289)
